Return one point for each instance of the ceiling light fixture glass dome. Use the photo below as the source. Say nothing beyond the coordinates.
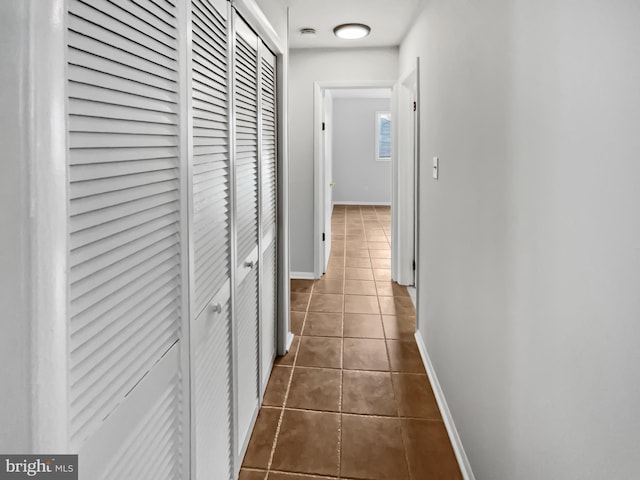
(352, 31)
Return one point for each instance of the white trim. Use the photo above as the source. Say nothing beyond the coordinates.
(47, 166)
(458, 448)
(303, 276)
(319, 184)
(356, 202)
(405, 171)
(290, 337)
(255, 17)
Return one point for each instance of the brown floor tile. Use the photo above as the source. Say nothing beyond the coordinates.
(315, 389)
(380, 254)
(295, 476)
(360, 287)
(367, 393)
(308, 443)
(358, 273)
(297, 320)
(384, 289)
(329, 285)
(365, 354)
(414, 397)
(429, 450)
(399, 290)
(277, 386)
(382, 274)
(289, 357)
(252, 474)
(376, 236)
(261, 443)
(334, 272)
(381, 262)
(405, 357)
(299, 302)
(320, 352)
(357, 262)
(301, 286)
(360, 325)
(323, 324)
(399, 328)
(361, 304)
(372, 448)
(397, 306)
(379, 246)
(326, 302)
(357, 252)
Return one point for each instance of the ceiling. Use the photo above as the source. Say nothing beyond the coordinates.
(389, 20)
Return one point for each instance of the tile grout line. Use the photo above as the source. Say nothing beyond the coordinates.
(344, 283)
(286, 395)
(393, 388)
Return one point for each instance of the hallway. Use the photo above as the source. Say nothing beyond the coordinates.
(351, 400)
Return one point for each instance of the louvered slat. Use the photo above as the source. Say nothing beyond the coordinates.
(213, 395)
(268, 171)
(211, 189)
(269, 165)
(151, 451)
(246, 97)
(124, 224)
(247, 314)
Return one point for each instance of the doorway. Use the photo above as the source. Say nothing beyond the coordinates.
(325, 94)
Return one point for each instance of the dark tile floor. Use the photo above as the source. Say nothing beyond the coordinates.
(351, 400)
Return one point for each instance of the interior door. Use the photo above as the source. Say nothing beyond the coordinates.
(211, 374)
(126, 238)
(246, 101)
(327, 149)
(269, 211)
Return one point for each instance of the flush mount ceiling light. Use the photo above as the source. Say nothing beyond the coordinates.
(352, 31)
(308, 32)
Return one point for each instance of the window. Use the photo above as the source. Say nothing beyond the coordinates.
(383, 136)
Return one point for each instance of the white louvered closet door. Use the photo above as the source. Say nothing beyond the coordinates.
(211, 236)
(126, 396)
(247, 227)
(269, 192)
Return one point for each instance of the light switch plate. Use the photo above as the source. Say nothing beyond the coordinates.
(436, 167)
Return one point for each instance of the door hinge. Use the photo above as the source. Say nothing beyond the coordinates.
(414, 265)
(323, 126)
(323, 237)
(415, 106)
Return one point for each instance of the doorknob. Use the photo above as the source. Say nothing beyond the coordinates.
(332, 184)
(249, 264)
(217, 308)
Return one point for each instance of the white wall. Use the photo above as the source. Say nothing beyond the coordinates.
(530, 241)
(305, 68)
(358, 175)
(15, 415)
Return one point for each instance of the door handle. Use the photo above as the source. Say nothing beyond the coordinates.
(250, 264)
(332, 184)
(217, 308)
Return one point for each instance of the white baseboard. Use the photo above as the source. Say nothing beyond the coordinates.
(302, 276)
(379, 204)
(458, 448)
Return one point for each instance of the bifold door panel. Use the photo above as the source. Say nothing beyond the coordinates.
(126, 397)
(172, 246)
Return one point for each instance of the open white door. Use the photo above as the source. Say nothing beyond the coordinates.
(327, 151)
(405, 177)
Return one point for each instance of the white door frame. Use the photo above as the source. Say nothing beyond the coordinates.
(320, 184)
(405, 170)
